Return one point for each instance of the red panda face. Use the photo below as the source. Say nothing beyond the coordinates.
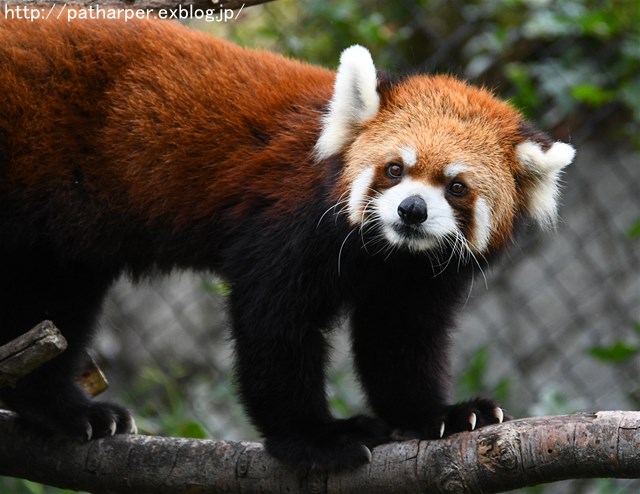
(419, 207)
(433, 163)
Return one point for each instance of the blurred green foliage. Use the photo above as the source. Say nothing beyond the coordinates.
(562, 63)
(621, 351)
(634, 231)
(19, 486)
(476, 379)
(165, 409)
(616, 353)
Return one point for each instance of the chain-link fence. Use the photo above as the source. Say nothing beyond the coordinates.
(552, 329)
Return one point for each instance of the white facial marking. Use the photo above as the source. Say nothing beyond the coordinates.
(482, 217)
(440, 221)
(408, 155)
(358, 194)
(452, 170)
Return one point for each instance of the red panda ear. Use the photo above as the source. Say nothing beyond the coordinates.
(355, 99)
(542, 168)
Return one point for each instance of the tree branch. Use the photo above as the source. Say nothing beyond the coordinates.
(491, 459)
(214, 5)
(29, 351)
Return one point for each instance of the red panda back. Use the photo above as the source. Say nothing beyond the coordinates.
(82, 97)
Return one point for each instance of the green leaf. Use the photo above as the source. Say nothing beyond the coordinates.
(340, 406)
(526, 94)
(472, 378)
(502, 390)
(33, 488)
(592, 95)
(218, 287)
(599, 23)
(634, 231)
(192, 430)
(616, 353)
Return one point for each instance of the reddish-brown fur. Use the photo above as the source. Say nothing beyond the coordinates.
(208, 125)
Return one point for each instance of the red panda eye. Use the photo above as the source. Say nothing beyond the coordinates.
(395, 170)
(458, 189)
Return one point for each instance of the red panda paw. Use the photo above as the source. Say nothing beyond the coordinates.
(85, 421)
(95, 420)
(467, 416)
(339, 445)
(62, 408)
(107, 419)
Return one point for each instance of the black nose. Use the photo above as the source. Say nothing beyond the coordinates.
(413, 210)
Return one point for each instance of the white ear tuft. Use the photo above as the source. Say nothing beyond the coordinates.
(538, 161)
(544, 168)
(355, 99)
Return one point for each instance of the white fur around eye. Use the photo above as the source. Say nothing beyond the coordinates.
(408, 155)
(452, 170)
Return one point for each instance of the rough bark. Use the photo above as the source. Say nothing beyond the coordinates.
(29, 351)
(492, 459)
(216, 5)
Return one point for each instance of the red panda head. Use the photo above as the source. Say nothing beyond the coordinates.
(433, 162)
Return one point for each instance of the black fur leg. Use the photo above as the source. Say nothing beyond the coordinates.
(36, 286)
(466, 416)
(401, 355)
(68, 411)
(280, 361)
(343, 444)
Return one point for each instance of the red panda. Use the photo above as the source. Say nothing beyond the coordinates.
(145, 147)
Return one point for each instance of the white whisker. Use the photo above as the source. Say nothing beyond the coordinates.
(341, 201)
(342, 247)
